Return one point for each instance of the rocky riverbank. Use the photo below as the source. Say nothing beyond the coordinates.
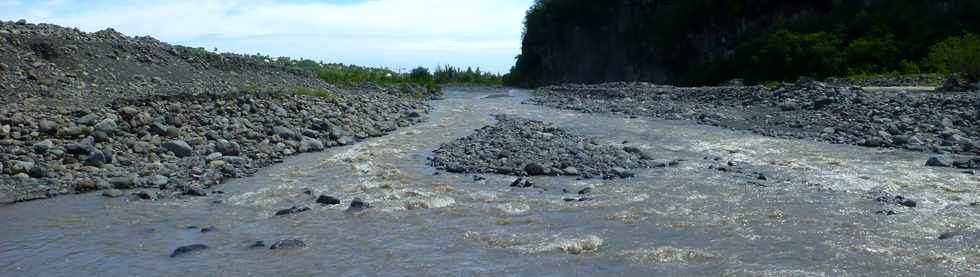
(942, 123)
(518, 146)
(101, 111)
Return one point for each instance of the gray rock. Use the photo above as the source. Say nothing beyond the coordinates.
(534, 169)
(78, 149)
(345, 140)
(97, 158)
(358, 205)
(107, 126)
(939, 161)
(227, 148)
(88, 120)
(125, 182)
(188, 249)
(113, 193)
(328, 200)
(621, 172)
(159, 180)
(214, 156)
(288, 244)
(47, 126)
(571, 171)
(829, 130)
(147, 195)
(310, 145)
(159, 129)
(284, 132)
(38, 171)
(179, 148)
(17, 167)
(43, 146)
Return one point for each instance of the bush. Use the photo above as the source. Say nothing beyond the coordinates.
(957, 54)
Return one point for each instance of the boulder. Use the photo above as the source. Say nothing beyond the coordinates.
(534, 169)
(939, 161)
(188, 249)
(179, 148)
(107, 126)
(328, 200)
(310, 145)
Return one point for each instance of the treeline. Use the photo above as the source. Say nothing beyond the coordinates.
(340, 73)
(709, 41)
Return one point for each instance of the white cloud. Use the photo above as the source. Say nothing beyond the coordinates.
(402, 26)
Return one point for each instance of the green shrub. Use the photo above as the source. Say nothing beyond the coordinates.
(957, 54)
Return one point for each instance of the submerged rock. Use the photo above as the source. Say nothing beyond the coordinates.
(288, 244)
(293, 210)
(188, 249)
(328, 200)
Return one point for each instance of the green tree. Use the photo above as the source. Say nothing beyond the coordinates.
(957, 54)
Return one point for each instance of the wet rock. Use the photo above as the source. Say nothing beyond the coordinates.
(357, 205)
(972, 163)
(585, 191)
(328, 200)
(310, 145)
(288, 244)
(43, 146)
(905, 202)
(534, 169)
(257, 244)
(78, 149)
(195, 191)
(89, 119)
(948, 235)
(939, 161)
(571, 171)
(179, 148)
(38, 171)
(47, 127)
(147, 195)
(621, 172)
(284, 132)
(113, 193)
(188, 249)
(124, 182)
(97, 158)
(521, 182)
(208, 229)
(293, 210)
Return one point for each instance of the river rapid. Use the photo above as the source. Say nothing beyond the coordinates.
(814, 216)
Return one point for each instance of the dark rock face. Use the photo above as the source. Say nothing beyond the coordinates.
(188, 249)
(517, 146)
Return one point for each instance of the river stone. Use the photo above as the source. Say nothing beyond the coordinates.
(107, 126)
(293, 210)
(188, 249)
(159, 180)
(88, 119)
(227, 148)
(112, 193)
(288, 244)
(124, 182)
(47, 126)
(357, 205)
(939, 161)
(534, 169)
(179, 148)
(310, 145)
(147, 195)
(97, 158)
(78, 149)
(328, 200)
(571, 171)
(284, 132)
(38, 171)
(43, 146)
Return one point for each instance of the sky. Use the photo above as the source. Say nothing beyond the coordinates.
(398, 34)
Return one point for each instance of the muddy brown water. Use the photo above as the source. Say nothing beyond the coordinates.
(812, 218)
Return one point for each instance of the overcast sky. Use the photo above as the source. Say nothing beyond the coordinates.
(389, 33)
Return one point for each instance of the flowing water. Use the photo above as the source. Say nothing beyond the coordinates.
(812, 218)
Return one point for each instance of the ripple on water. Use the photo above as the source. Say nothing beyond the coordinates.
(537, 243)
(669, 255)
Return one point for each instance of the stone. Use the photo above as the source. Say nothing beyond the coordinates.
(257, 244)
(113, 193)
(147, 195)
(159, 181)
(227, 148)
(310, 145)
(328, 200)
(521, 182)
(159, 129)
(125, 182)
(107, 126)
(284, 132)
(180, 148)
(293, 210)
(97, 158)
(188, 249)
(87, 185)
(939, 161)
(214, 156)
(585, 191)
(621, 172)
(43, 146)
(288, 244)
(195, 191)
(829, 130)
(357, 205)
(571, 171)
(88, 120)
(47, 126)
(78, 149)
(38, 171)
(534, 169)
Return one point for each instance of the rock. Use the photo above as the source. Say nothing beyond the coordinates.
(42, 147)
(195, 191)
(112, 193)
(621, 172)
(950, 84)
(97, 158)
(78, 149)
(125, 182)
(521, 182)
(208, 229)
(147, 195)
(288, 244)
(257, 244)
(534, 169)
(328, 200)
(414, 114)
(188, 249)
(571, 171)
(939, 161)
(38, 171)
(180, 148)
(947, 235)
(284, 132)
(87, 185)
(293, 210)
(47, 127)
(21, 167)
(310, 145)
(107, 126)
(214, 156)
(357, 205)
(973, 163)
(905, 202)
(829, 130)
(159, 129)
(227, 148)
(585, 191)
(88, 120)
